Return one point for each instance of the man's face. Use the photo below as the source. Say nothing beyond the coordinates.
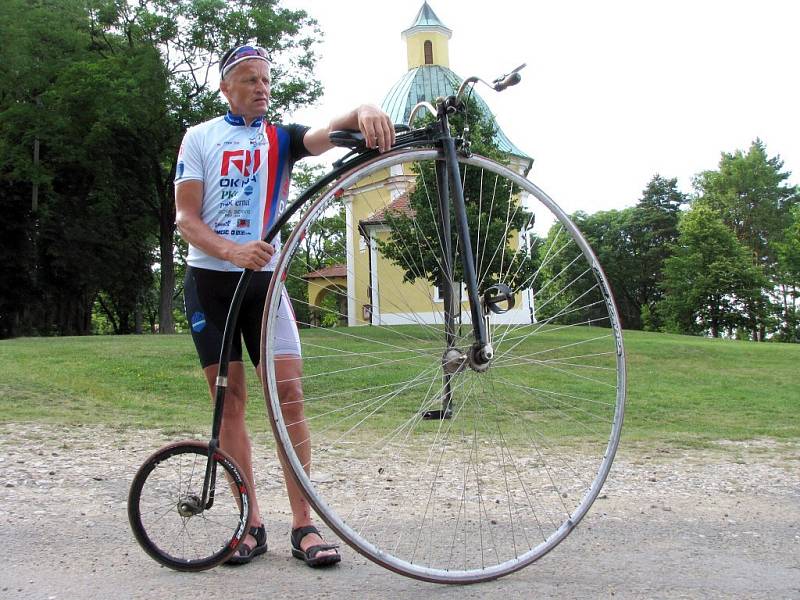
(246, 87)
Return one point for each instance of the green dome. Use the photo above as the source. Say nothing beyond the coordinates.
(428, 82)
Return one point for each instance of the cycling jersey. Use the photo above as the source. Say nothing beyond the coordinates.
(245, 170)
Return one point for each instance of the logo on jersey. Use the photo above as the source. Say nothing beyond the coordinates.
(244, 161)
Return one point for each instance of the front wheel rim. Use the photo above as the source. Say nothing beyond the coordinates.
(589, 459)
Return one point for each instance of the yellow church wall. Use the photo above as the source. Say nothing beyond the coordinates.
(395, 295)
(361, 271)
(365, 203)
(415, 49)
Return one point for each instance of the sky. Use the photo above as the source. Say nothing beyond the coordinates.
(613, 92)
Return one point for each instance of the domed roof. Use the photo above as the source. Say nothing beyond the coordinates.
(428, 82)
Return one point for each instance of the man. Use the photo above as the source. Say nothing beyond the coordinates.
(231, 183)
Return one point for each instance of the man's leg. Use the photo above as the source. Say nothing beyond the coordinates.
(233, 436)
(288, 373)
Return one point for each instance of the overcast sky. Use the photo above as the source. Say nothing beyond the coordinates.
(613, 93)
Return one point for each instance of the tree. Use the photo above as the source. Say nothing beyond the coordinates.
(111, 219)
(610, 236)
(561, 280)
(654, 231)
(106, 89)
(710, 278)
(190, 36)
(39, 40)
(632, 245)
(498, 223)
(88, 216)
(749, 193)
(789, 275)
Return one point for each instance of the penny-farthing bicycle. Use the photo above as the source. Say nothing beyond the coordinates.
(466, 429)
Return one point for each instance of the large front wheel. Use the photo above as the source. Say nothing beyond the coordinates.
(518, 448)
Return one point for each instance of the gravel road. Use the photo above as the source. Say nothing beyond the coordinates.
(671, 523)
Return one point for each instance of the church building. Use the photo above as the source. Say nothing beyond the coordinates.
(369, 282)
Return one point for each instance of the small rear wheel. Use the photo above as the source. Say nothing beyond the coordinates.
(166, 513)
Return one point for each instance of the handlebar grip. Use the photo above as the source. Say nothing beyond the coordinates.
(513, 79)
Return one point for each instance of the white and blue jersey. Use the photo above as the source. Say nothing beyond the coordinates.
(245, 172)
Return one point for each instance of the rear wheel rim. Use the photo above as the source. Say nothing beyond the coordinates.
(163, 508)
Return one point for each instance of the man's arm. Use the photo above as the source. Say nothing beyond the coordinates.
(370, 120)
(188, 218)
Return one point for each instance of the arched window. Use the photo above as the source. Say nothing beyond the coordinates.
(428, 52)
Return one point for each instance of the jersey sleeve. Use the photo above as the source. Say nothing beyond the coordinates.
(190, 158)
(297, 149)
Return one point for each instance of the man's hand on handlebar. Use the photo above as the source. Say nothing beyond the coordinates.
(376, 126)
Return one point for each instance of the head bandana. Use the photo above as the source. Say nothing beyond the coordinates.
(240, 54)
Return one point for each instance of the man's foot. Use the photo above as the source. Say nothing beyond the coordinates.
(254, 544)
(308, 546)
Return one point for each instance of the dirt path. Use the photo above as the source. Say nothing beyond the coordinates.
(721, 523)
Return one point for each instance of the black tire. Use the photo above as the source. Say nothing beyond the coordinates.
(188, 542)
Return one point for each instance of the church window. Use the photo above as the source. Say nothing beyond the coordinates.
(428, 52)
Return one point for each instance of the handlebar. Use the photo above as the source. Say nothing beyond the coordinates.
(354, 140)
(498, 85)
(512, 78)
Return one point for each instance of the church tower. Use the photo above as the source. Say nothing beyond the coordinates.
(429, 76)
(370, 282)
(427, 40)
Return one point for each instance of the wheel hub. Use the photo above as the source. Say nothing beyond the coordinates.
(480, 358)
(189, 506)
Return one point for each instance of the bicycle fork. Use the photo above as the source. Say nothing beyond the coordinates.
(480, 354)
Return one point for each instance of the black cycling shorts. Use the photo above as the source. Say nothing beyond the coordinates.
(207, 297)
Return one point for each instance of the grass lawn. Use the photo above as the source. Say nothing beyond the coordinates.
(681, 390)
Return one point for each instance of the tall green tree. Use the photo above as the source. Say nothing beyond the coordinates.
(105, 89)
(654, 231)
(710, 278)
(561, 280)
(632, 245)
(789, 275)
(191, 35)
(750, 193)
(58, 96)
